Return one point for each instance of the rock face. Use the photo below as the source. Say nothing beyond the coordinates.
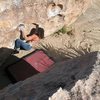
(79, 78)
(86, 89)
(87, 27)
(14, 12)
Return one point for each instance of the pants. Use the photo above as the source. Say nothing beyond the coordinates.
(22, 45)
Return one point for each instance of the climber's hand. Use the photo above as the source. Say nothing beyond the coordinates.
(21, 27)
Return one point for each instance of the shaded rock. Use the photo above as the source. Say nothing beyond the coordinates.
(85, 84)
(86, 89)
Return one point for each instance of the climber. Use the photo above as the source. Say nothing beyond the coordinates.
(25, 41)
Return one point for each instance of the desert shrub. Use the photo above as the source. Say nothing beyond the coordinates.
(64, 30)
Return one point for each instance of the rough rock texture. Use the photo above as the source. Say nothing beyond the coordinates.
(14, 12)
(78, 77)
(87, 27)
(86, 89)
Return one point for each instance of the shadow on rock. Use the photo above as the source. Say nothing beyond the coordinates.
(65, 74)
(5, 53)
